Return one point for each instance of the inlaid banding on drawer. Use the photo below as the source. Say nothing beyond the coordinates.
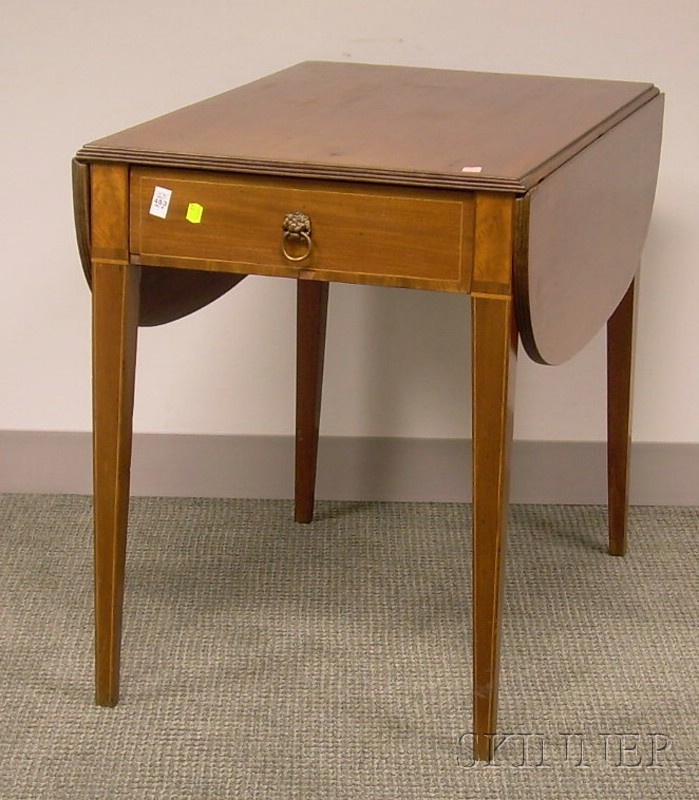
(360, 233)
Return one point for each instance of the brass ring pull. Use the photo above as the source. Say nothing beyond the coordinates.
(297, 227)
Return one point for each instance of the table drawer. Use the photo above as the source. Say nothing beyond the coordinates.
(360, 233)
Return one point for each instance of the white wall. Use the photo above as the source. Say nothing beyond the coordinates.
(75, 70)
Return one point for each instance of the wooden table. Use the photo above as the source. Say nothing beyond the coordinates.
(531, 194)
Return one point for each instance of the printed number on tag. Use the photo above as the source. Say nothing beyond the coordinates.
(160, 202)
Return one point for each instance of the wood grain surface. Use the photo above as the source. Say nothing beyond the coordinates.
(385, 124)
(360, 234)
(581, 233)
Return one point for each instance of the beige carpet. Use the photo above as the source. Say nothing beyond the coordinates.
(268, 660)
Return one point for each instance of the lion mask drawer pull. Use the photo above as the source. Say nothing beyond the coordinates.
(297, 228)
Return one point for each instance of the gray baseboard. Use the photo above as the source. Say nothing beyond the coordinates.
(349, 468)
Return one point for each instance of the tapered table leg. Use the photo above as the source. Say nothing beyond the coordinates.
(115, 315)
(115, 311)
(494, 345)
(312, 306)
(620, 346)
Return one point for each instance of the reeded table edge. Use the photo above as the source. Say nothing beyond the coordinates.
(299, 170)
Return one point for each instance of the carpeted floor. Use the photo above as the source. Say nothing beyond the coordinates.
(267, 660)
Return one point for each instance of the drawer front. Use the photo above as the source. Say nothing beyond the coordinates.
(360, 234)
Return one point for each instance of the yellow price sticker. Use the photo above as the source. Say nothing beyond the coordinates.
(194, 212)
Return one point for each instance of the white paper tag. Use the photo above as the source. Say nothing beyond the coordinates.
(472, 169)
(160, 202)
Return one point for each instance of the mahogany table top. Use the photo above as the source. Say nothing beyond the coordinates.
(385, 124)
